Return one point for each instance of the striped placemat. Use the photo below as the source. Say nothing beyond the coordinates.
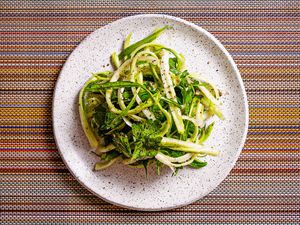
(36, 38)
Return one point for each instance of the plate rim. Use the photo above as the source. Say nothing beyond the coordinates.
(238, 76)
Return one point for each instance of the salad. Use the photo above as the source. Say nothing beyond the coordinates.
(150, 109)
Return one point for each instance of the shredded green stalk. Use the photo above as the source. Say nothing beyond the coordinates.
(127, 40)
(170, 92)
(115, 60)
(127, 51)
(84, 121)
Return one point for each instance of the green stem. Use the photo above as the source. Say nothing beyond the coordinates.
(127, 51)
(186, 146)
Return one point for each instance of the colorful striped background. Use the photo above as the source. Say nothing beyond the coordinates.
(36, 37)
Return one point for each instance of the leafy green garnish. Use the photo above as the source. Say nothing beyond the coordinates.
(198, 164)
(173, 66)
(122, 143)
(147, 133)
(110, 155)
(205, 132)
(172, 153)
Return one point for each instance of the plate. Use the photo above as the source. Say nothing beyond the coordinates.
(129, 187)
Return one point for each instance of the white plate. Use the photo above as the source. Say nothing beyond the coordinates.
(129, 187)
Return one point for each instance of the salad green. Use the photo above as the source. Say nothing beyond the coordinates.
(150, 109)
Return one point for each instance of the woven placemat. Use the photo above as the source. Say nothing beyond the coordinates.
(36, 38)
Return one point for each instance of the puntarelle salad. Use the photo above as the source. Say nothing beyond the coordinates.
(150, 109)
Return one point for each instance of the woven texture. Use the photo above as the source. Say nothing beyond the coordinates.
(36, 38)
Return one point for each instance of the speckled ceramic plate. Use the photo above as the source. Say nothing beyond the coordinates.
(129, 187)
